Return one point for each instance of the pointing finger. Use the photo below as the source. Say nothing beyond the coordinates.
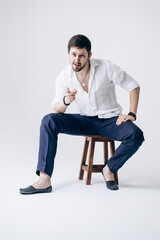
(68, 90)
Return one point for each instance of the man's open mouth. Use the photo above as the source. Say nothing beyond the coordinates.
(77, 65)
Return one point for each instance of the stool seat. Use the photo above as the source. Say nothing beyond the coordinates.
(90, 167)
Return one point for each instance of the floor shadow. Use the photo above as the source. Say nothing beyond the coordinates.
(67, 184)
(140, 186)
(129, 184)
(122, 184)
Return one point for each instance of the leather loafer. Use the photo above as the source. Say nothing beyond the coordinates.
(111, 184)
(32, 190)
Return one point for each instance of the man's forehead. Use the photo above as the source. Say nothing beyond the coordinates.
(78, 50)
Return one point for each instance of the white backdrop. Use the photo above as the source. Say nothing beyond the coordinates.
(33, 50)
(34, 36)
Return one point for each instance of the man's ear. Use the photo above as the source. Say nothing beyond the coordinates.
(90, 54)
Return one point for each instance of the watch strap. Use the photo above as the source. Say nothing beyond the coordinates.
(67, 104)
(132, 114)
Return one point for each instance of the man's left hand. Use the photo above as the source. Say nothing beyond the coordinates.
(124, 118)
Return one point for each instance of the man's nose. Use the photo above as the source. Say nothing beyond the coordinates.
(77, 58)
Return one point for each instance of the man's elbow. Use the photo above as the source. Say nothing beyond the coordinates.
(58, 108)
(54, 108)
(54, 111)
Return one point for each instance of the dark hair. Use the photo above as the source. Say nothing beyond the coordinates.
(80, 41)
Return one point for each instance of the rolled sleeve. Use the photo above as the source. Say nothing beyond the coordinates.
(128, 83)
(60, 89)
(120, 77)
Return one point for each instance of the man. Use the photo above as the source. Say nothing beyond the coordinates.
(91, 84)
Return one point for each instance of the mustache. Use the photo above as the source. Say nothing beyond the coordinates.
(77, 63)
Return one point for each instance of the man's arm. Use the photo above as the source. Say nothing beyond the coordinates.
(134, 98)
(59, 107)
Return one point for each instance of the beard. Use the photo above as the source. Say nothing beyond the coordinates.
(79, 67)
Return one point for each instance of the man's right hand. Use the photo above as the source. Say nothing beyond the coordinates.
(70, 96)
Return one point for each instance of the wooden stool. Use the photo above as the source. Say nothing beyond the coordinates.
(98, 167)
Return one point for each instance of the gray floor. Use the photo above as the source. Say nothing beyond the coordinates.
(76, 211)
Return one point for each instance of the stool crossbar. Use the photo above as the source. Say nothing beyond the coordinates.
(90, 167)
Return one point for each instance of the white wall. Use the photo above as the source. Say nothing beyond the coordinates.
(33, 50)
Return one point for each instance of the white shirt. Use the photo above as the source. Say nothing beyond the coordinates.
(101, 97)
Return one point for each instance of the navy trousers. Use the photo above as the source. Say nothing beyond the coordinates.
(52, 124)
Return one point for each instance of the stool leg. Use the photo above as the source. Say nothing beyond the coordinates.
(105, 145)
(83, 161)
(112, 149)
(90, 162)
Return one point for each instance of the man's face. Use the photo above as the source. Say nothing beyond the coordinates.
(78, 58)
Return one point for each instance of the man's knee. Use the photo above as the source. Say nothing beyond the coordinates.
(48, 117)
(138, 136)
(50, 120)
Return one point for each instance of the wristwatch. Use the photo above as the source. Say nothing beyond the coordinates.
(67, 104)
(133, 115)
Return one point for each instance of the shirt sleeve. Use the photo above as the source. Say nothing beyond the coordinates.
(60, 89)
(120, 77)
